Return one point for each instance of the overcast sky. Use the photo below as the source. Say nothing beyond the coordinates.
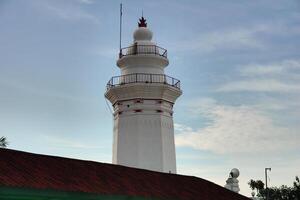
(238, 62)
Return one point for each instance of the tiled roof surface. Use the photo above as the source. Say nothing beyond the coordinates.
(21, 169)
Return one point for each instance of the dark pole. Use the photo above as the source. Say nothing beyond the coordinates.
(120, 46)
(266, 178)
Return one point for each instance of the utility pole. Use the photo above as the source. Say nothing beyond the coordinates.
(266, 177)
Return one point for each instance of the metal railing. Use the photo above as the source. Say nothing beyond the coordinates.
(143, 78)
(143, 49)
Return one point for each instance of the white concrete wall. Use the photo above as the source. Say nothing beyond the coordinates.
(141, 63)
(168, 144)
(144, 139)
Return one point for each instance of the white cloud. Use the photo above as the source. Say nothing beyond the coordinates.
(269, 69)
(223, 39)
(181, 127)
(271, 104)
(259, 85)
(261, 69)
(237, 129)
(280, 77)
(231, 39)
(86, 1)
(242, 37)
(42, 90)
(70, 143)
(70, 12)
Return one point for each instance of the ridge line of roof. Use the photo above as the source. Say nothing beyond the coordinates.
(97, 162)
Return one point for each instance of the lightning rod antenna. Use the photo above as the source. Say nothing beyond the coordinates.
(120, 53)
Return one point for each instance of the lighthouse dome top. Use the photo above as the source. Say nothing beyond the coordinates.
(142, 33)
(143, 56)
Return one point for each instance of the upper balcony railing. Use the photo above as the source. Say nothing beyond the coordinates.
(137, 49)
(143, 78)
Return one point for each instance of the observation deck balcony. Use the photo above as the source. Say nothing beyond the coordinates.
(143, 78)
(143, 50)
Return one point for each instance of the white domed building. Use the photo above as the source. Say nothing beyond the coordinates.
(232, 182)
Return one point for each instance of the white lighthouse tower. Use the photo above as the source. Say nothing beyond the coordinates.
(143, 98)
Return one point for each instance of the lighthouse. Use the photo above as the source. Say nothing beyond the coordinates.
(143, 97)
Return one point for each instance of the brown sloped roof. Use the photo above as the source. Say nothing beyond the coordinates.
(28, 170)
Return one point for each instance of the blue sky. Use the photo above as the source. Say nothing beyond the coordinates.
(238, 62)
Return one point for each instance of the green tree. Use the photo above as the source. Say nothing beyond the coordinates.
(296, 191)
(257, 185)
(277, 193)
(3, 142)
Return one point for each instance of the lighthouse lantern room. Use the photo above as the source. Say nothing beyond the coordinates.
(143, 97)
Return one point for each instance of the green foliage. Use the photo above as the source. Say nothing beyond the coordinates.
(3, 142)
(277, 193)
(256, 185)
(296, 192)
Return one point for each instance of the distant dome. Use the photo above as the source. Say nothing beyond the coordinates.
(142, 33)
(235, 173)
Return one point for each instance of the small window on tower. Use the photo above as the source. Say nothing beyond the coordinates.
(139, 101)
(159, 101)
(138, 110)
